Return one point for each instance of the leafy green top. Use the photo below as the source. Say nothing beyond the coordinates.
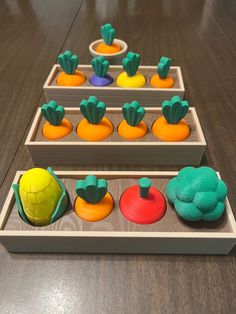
(163, 67)
(108, 33)
(91, 190)
(53, 112)
(133, 113)
(100, 66)
(131, 63)
(175, 109)
(92, 109)
(68, 62)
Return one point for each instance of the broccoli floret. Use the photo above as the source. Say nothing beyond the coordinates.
(197, 194)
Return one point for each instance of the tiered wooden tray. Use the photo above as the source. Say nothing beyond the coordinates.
(115, 234)
(113, 95)
(115, 150)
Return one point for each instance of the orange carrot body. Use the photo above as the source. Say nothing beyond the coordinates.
(94, 212)
(76, 79)
(158, 82)
(108, 49)
(52, 132)
(170, 132)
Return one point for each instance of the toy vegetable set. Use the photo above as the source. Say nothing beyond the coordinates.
(120, 115)
(118, 212)
(132, 134)
(42, 198)
(96, 127)
(69, 82)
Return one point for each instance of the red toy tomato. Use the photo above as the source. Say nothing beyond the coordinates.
(142, 210)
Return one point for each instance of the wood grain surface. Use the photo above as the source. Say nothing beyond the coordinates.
(199, 35)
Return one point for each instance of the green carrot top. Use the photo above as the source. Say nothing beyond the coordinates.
(108, 33)
(100, 66)
(163, 67)
(92, 109)
(131, 63)
(68, 62)
(175, 109)
(91, 190)
(133, 113)
(53, 112)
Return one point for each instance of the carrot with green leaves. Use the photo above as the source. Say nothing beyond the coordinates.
(70, 76)
(108, 35)
(171, 127)
(162, 79)
(56, 126)
(95, 126)
(133, 126)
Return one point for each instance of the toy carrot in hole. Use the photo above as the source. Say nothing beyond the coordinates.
(93, 203)
(131, 77)
(101, 78)
(161, 79)
(94, 126)
(132, 127)
(56, 126)
(108, 34)
(70, 76)
(170, 127)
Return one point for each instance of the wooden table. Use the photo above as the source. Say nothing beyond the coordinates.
(200, 36)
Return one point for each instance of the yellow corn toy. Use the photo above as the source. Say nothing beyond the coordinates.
(40, 196)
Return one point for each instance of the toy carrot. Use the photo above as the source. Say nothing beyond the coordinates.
(93, 203)
(108, 46)
(56, 126)
(132, 127)
(170, 127)
(101, 78)
(70, 76)
(131, 77)
(94, 126)
(161, 79)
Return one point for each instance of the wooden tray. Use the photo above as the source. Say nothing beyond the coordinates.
(115, 150)
(112, 95)
(115, 234)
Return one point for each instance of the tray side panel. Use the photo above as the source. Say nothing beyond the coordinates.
(112, 98)
(116, 154)
(159, 245)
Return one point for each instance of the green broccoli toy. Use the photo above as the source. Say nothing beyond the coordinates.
(197, 194)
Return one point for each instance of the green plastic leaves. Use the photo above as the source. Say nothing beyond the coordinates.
(92, 109)
(133, 113)
(100, 66)
(91, 190)
(197, 194)
(53, 113)
(144, 186)
(163, 67)
(131, 63)
(68, 62)
(175, 109)
(108, 33)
